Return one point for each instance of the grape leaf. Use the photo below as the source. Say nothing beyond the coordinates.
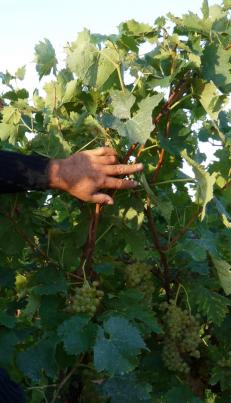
(70, 91)
(11, 115)
(227, 4)
(117, 345)
(181, 394)
(224, 273)
(126, 389)
(138, 128)
(45, 58)
(20, 73)
(48, 282)
(38, 358)
(77, 334)
(7, 320)
(205, 182)
(210, 304)
(82, 58)
(135, 28)
(108, 63)
(122, 103)
(8, 341)
(205, 9)
(132, 305)
(216, 66)
(210, 98)
(92, 66)
(8, 131)
(224, 214)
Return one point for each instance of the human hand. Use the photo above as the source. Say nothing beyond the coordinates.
(85, 173)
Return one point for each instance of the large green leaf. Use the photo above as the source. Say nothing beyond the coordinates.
(181, 394)
(210, 98)
(217, 67)
(8, 341)
(38, 358)
(205, 182)
(117, 345)
(224, 273)
(45, 58)
(138, 128)
(226, 218)
(48, 282)
(92, 66)
(211, 304)
(122, 103)
(77, 334)
(126, 389)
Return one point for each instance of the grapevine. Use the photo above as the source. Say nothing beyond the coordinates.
(94, 289)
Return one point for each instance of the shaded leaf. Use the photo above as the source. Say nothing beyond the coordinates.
(205, 182)
(45, 58)
(224, 273)
(117, 345)
(127, 389)
(38, 358)
(77, 334)
(122, 103)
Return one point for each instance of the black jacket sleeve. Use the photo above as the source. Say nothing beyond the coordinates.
(20, 172)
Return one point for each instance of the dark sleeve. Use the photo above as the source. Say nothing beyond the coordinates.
(20, 172)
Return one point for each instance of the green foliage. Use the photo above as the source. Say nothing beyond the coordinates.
(117, 345)
(45, 58)
(105, 329)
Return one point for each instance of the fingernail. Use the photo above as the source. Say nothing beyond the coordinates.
(135, 183)
(109, 202)
(140, 166)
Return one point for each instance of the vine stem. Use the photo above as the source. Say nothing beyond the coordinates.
(180, 286)
(89, 246)
(163, 258)
(182, 231)
(152, 226)
(64, 381)
(90, 243)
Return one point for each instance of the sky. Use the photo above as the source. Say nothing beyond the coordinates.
(23, 23)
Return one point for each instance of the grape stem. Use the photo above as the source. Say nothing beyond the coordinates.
(180, 286)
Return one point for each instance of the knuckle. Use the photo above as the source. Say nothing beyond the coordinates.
(120, 183)
(101, 181)
(113, 159)
(120, 169)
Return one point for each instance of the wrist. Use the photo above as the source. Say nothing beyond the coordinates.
(55, 180)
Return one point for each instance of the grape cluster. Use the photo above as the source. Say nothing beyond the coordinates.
(139, 275)
(87, 298)
(182, 337)
(225, 362)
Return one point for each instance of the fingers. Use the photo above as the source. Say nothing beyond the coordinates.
(103, 151)
(122, 169)
(114, 183)
(107, 160)
(101, 198)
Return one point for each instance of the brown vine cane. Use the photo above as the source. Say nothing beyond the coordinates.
(89, 245)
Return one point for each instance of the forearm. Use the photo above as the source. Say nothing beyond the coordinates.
(20, 172)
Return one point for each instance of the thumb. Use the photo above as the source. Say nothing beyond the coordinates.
(102, 198)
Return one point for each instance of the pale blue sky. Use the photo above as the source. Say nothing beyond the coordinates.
(24, 22)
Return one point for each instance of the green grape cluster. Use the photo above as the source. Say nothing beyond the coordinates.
(225, 362)
(182, 338)
(139, 275)
(87, 298)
